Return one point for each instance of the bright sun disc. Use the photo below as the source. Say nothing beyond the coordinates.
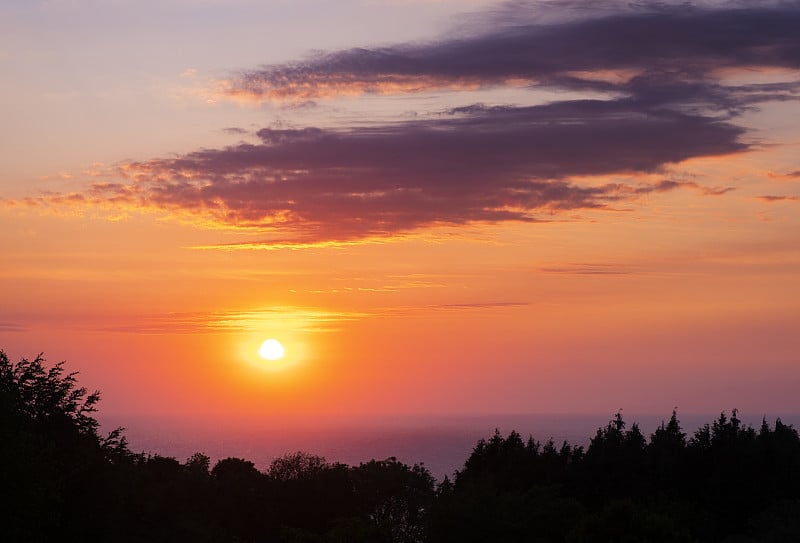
(271, 349)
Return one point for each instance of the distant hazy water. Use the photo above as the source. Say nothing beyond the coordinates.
(442, 443)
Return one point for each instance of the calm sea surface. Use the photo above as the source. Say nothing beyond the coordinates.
(441, 443)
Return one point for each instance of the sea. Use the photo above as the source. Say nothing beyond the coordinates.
(442, 443)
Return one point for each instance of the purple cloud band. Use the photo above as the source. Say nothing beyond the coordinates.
(670, 49)
(474, 164)
(480, 163)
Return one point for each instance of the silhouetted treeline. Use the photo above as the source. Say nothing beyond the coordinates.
(60, 480)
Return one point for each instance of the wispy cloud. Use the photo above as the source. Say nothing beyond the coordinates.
(235, 130)
(589, 269)
(477, 305)
(787, 175)
(11, 327)
(777, 198)
(298, 319)
(668, 185)
(305, 320)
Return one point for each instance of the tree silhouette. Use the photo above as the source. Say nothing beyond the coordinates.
(60, 480)
(395, 498)
(296, 466)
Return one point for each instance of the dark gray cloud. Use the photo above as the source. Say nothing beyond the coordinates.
(474, 164)
(659, 67)
(671, 50)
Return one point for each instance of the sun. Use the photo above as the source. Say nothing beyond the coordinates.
(271, 349)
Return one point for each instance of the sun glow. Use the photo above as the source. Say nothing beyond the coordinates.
(271, 350)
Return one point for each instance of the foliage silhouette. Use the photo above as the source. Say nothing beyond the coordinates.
(60, 480)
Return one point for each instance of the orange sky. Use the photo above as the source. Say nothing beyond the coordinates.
(661, 271)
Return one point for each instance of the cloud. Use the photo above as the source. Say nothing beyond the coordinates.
(469, 165)
(589, 269)
(788, 175)
(666, 53)
(235, 130)
(11, 327)
(668, 185)
(659, 68)
(477, 305)
(298, 319)
(769, 198)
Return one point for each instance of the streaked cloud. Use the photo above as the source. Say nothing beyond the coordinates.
(297, 319)
(788, 175)
(589, 269)
(777, 198)
(477, 305)
(235, 130)
(668, 185)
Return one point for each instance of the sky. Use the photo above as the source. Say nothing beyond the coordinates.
(437, 207)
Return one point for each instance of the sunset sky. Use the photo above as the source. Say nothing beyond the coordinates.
(452, 206)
